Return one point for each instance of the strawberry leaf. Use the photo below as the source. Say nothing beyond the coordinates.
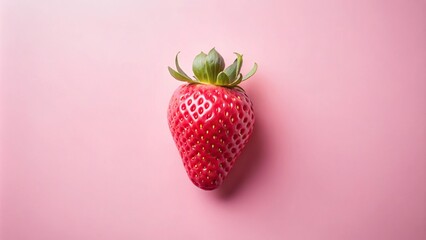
(231, 70)
(251, 73)
(222, 79)
(239, 64)
(179, 76)
(214, 65)
(234, 69)
(178, 67)
(199, 66)
(237, 81)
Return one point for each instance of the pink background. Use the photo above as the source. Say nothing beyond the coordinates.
(339, 150)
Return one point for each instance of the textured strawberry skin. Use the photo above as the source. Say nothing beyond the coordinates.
(210, 126)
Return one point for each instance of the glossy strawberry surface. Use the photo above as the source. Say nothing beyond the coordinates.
(210, 126)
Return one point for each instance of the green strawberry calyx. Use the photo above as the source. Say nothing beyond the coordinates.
(210, 69)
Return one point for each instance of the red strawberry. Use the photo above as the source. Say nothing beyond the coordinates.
(211, 118)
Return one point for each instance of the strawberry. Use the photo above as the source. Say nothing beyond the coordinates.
(211, 118)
